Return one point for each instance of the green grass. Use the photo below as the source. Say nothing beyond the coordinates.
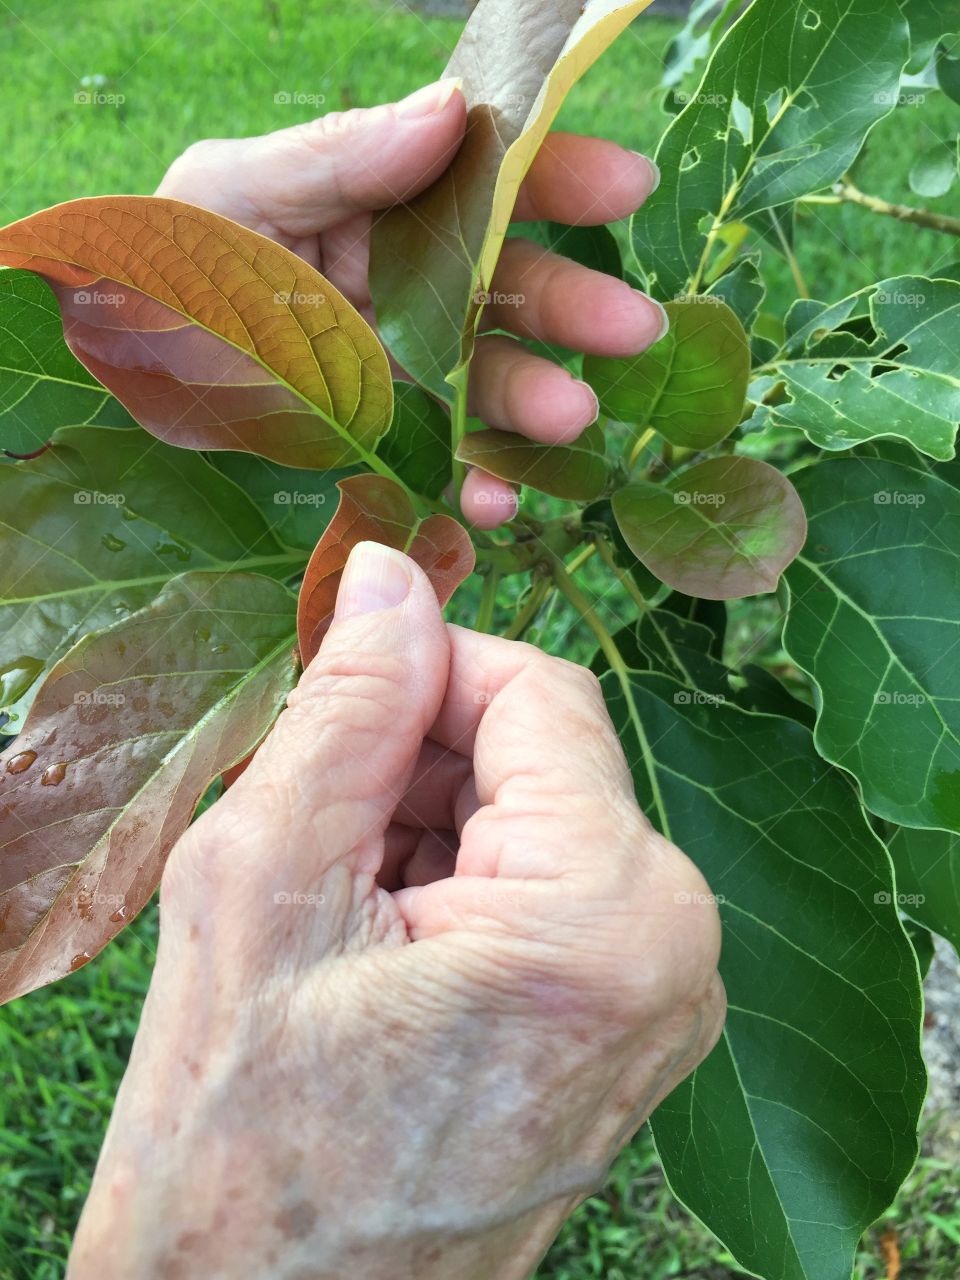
(208, 68)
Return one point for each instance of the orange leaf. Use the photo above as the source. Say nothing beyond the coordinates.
(375, 509)
(212, 336)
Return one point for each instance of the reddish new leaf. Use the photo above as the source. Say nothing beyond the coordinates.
(125, 735)
(211, 335)
(725, 529)
(375, 509)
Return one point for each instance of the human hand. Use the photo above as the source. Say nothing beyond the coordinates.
(313, 187)
(375, 1047)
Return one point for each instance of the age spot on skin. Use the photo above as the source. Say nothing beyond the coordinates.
(297, 1222)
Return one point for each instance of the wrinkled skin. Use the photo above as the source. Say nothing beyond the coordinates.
(490, 972)
(314, 187)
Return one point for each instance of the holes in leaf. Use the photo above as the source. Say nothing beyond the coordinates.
(742, 118)
(811, 20)
(887, 365)
(837, 373)
(690, 159)
(805, 100)
(773, 104)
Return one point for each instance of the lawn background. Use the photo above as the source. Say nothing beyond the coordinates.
(204, 69)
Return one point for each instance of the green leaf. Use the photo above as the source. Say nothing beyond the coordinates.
(592, 247)
(726, 528)
(948, 73)
(782, 110)
(935, 172)
(928, 879)
(417, 446)
(929, 20)
(923, 945)
(690, 386)
(695, 40)
(742, 289)
(432, 260)
(795, 1133)
(577, 472)
(125, 736)
(96, 526)
(874, 618)
(896, 377)
(297, 503)
(42, 384)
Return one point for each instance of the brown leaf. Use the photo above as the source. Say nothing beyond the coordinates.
(125, 735)
(212, 336)
(374, 509)
(433, 260)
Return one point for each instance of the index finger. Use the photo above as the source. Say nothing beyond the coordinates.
(531, 709)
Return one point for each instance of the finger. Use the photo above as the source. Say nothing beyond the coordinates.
(435, 858)
(514, 390)
(585, 182)
(486, 501)
(324, 785)
(314, 175)
(538, 294)
(432, 796)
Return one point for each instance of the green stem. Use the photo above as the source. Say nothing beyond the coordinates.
(531, 607)
(624, 577)
(572, 592)
(488, 600)
(458, 427)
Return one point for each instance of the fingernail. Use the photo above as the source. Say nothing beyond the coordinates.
(664, 318)
(375, 577)
(430, 100)
(593, 403)
(654, 170)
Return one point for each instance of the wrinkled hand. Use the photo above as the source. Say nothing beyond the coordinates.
(313, 187)
(422, 972)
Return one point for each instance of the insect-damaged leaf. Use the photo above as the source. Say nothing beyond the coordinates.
(211, 335)
(125, 736)
(577, 472)
(782, 110)
(374, 509)
(795, 1133)
(95, 527)
(690, 386)
(726, 528)
(432, 260)
(874, 619)
(41, 383)
(891, 371)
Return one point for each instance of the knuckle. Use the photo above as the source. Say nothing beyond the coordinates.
(330, 129)
(352, 691)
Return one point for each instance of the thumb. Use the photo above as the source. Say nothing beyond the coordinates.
(319, 173)
(321, 790)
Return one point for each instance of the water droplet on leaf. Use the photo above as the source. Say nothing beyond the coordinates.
(112, 543)
(21, 762)
(53, 775)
